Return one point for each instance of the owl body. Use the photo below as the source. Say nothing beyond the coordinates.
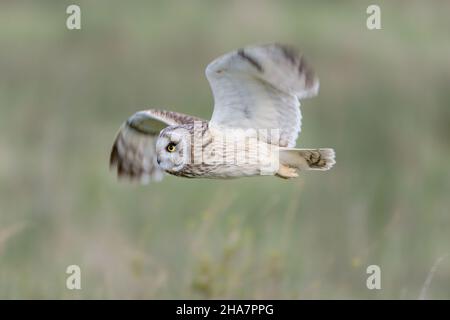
(252, 131)
(215, 153)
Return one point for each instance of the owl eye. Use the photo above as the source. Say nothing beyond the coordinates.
(171, 147)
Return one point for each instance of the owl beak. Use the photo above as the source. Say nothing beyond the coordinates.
(158, 160)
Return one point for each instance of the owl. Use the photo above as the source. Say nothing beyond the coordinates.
(252, 132)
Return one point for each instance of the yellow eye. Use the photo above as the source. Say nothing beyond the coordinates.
(170, 147)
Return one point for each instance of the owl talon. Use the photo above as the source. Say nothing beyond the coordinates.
(286, 172)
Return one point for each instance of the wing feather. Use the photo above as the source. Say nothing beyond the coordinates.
(259, 87)
(134, 150)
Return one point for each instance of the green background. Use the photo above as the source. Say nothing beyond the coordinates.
(384, 105)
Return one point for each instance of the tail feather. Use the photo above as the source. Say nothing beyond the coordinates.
(308, 159)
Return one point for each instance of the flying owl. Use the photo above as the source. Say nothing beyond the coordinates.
(252, 131)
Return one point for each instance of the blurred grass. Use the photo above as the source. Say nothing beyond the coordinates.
(384, 106)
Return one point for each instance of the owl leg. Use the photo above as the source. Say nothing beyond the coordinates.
(286, 172)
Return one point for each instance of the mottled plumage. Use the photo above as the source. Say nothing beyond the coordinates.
(253, 129)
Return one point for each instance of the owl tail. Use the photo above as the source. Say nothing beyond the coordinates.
(306, 159)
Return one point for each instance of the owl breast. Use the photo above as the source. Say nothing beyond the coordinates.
(228, 154)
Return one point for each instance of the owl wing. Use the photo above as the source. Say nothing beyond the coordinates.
(259, 87)
(134, 149)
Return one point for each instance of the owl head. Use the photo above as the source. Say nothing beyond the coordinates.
(173, 148)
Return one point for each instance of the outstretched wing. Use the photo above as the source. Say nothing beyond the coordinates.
(134, 150)
(259, 87)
